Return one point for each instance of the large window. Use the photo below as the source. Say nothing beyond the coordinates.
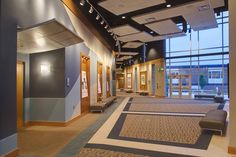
(204, 55)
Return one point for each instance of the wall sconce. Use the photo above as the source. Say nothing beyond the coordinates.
(160, 69)
(45, 69)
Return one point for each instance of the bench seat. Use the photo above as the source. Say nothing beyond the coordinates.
(214, 120)
(102, 105)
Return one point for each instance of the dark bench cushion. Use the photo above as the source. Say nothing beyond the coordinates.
(214, 119)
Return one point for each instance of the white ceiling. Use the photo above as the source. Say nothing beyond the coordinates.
(119, 7)
(142, 36)
(124, 30)
(193, 13)
(162, 37)
(132, 45)
(124, 58)
(164, 27)
(46, 36)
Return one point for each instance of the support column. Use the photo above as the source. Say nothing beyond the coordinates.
(232, 77)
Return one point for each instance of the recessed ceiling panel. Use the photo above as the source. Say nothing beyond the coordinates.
(134, 37)
(169, 12)
(119, 7)
(127, 53)
(132, 45)
(163, 37)
(201, 20)
(124, 30)
(45, 36)
(164, 27)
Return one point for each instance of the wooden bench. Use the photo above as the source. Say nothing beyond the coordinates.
(214, 120)
(102, 105)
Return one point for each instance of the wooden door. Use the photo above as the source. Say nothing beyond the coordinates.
(85, 84)
(19, 94)
(143, 81)
(108, 82)
(99, 81)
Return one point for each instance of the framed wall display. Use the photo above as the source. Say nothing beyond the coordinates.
(84, 85)
(99, 84)
(143, 80)
(129, 80)
(99, 81)
(108, 81)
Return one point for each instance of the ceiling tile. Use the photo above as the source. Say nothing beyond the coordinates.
(164, 27)
(132, 45)
(134, 37)
(119, 7)
(124, 30)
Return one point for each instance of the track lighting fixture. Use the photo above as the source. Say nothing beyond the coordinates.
(82, 2)
(91, 10)
(106, 27)
(102, 22)
(97, 17)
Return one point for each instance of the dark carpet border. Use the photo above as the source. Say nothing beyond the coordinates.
(135, 151)
(127, 108)
(202, 142)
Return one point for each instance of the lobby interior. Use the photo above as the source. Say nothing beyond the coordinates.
(104, 78)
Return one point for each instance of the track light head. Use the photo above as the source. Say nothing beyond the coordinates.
(82, 2)
(106, 27)
(97, 17)
(91, 10)
(102, 22)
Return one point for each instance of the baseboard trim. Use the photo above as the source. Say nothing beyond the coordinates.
(231, 150)
(57, 124)
(13, 153)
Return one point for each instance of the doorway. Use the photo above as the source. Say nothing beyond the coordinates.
(99, 81)
(19, 94)
(85, 84)
(108, 81)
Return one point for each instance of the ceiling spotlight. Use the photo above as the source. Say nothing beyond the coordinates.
(168, 5)
(82, 2)
(102, 22)
(123, 17)
(151, 32)
(91, 10)
(106, 27)
(97, 17)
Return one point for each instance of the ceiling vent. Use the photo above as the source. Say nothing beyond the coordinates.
(203, 8)
(150, 19)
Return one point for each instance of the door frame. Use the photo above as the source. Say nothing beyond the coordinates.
(23, 95)
(82, 57)
(108, 93)
(99, 64)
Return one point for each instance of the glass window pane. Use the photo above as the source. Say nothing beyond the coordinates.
(180, 43)
(210, 38)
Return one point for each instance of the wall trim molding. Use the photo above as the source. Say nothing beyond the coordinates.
(13, 153)
(231, 150)
(56, 124)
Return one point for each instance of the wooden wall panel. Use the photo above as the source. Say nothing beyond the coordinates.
(108, 72)
(85, 66)
(99, 80)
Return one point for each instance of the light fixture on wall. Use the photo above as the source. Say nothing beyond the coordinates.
(91, 10)
(45, 69)
(82, 2)
(97, 17)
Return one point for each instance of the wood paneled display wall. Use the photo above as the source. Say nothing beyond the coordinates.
(99, 81)
(85, 84)
(108, 81)
(144, 80)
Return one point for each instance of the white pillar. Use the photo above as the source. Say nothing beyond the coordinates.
(232, 77)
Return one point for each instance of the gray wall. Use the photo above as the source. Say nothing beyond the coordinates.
(8, 73)
(51, 85)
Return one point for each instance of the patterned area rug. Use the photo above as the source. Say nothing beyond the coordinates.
(181, 131)
(171, 105)
(99, 150)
